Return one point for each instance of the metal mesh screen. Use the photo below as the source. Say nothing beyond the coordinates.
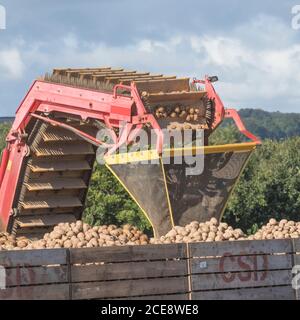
(200, 197)
(145, 183)
(169, 196)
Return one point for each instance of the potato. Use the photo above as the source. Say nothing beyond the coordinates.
(211, 235)
(258, 236)
(70, 234)
(55, 235)
(76, 230)
(68, 244)
(182, 114)
(86, 227)
(291, 223)
(294, 235)
(93, 242)
(227, 235)
(213, 221)
(191, 110)
(223, 226)
(81, 235)
(213, 228)
(171, 234)
(88, 237)
(22, 243)
(205, 229)
(219, 238)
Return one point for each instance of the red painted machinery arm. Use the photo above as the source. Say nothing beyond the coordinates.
(221, 113)
(233, 114)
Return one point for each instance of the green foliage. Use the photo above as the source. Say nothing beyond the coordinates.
(108, 202)
(271, 125)
(4, 128)
(269, 187)
(227, 134)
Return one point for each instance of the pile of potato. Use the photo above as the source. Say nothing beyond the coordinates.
(81, 235)
(9, 242)
(188, 114)
(282, 229)
(208, 231)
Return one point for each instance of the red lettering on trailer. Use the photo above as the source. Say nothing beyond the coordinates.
(247, 262)
(229, 277)
(30, 275)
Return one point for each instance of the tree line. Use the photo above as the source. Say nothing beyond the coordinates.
(268, 187)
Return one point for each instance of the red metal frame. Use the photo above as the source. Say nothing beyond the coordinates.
(45, 98)
(233, 114)
(221, 113)
(211, 94)
(113, 109)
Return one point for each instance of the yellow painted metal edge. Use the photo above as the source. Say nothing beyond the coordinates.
(131, 195)
(149, 155)
(167, 192)
(128, 157)
(236, 147)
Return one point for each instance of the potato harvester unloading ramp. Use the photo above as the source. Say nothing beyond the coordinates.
(169, 196)
(51, 148)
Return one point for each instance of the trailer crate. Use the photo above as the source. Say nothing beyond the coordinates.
(261, 269)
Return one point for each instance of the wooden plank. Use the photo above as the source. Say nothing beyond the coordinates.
(128, 288)
(33, 212)
(214, 281)
(43, 292)
(64, 70)
(67, 165)
(296, 246)
(130, 76)
(166, 85)
(182, 96)
(296, 266)
(44, 220)
(204, 249)
(101, 76)
(33, 233)
(89, 74)
(264, 293)
(52, 202)
(129, 270)
(76, 72)
(29, 258)
(56, 184)
(64, 149)
(60, 135)
(21, 276)
(128, 253)
(144, 78)
(241, 263)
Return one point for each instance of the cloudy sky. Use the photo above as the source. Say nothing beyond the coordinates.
(251, 45)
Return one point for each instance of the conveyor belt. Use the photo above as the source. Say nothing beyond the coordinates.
(54, 179)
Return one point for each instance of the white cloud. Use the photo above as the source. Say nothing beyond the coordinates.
(258, 63)
(70, 41)
(11, 64)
